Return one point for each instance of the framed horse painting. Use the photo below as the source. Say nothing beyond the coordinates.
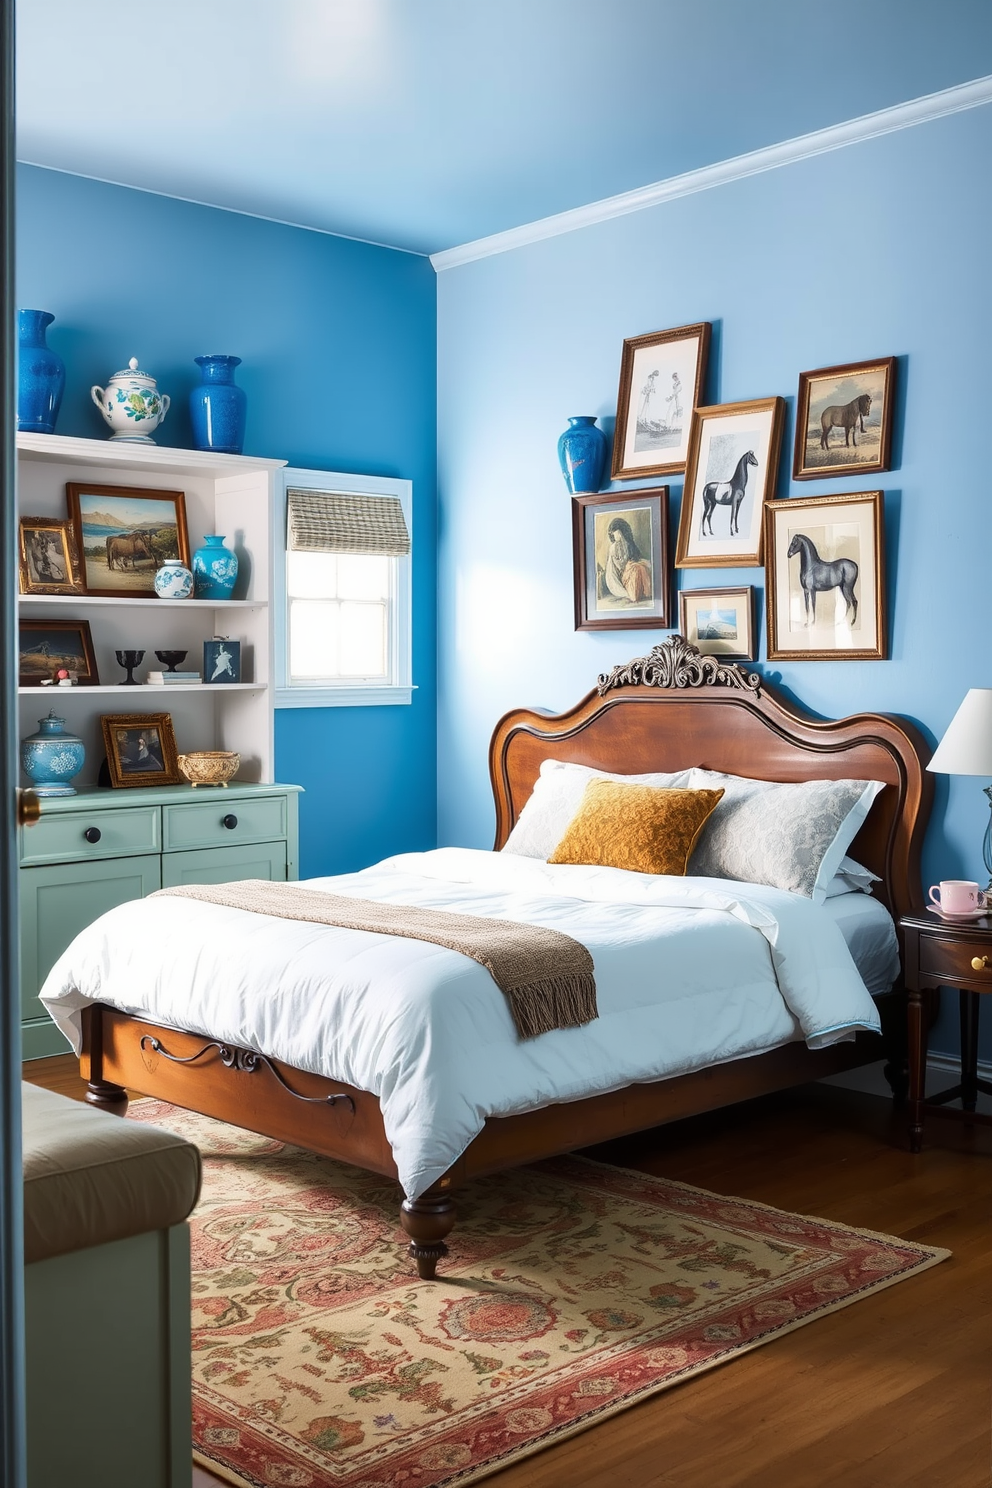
(826, 578)
(124, 534)
(729, 475)
(844, 420)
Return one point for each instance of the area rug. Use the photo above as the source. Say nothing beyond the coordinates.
(573, 1290)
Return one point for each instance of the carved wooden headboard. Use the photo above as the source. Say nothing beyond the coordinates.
(676, 708)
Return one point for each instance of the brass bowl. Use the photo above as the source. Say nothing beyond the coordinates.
(209, 766)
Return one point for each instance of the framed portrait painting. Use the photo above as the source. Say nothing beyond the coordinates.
(661, 381)
(844, 420)
(49, 560)
(46, 647)
(730, 474)
(720, 622)
(124, 533)
(620, 560)
(826, 578)
(141, 749)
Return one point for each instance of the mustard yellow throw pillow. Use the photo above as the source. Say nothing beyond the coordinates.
(645, 828)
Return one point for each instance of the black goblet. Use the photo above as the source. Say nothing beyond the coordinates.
(171, 659)
(129, 660)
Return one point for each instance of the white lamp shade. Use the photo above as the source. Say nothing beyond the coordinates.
(966, 748)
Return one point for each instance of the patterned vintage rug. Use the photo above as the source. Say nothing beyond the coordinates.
(572, 1291)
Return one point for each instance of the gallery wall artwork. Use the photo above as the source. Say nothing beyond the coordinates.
(731, 471)
(661, 382)
(720, 622)
(844, 420)
(620, 560)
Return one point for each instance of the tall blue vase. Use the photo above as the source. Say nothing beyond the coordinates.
(218, 406)
(40, 374)
(582, 455)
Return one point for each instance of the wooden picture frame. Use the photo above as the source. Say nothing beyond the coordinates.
(844, 420)
(48, 558)
(121, 543)
(826, 578)
(730, 473)
(40, 654)
(661, 382)
(141, 749)
(620, 560)
(726, 628)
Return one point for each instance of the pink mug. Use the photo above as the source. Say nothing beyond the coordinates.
(957, 896)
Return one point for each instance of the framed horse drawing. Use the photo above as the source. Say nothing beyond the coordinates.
(826, 578)
(844, 420)
(729, 475)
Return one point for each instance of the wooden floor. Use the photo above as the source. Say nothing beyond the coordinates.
(894, 1390)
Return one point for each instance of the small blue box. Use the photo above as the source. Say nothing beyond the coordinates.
(221, 661)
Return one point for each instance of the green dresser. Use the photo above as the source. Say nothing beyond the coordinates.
(100, 848)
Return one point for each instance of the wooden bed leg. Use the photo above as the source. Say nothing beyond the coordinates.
(427, 1220)
(107, 1097)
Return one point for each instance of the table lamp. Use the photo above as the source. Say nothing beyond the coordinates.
(966, 749)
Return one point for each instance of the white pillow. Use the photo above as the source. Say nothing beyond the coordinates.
(789, 836)
(851, 878)
(555, 799)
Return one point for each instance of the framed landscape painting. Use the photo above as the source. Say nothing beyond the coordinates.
(46, 647)
(620, 560)
(661, 381)
(844, 420)
(720, 622)
(730, 474)
(826, 578)
(124, 534)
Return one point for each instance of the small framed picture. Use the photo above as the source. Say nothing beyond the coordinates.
(826, 578)
(47, 647)
(124, 533)
(49, 559)
(720, 622)
(620, 560)
(844, 420)
(661, 382)
(729, 475)
(141, 749)
(221, 660)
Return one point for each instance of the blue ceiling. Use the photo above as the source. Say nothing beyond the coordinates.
(427, 123)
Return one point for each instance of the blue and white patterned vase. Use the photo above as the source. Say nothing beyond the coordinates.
(132, 404)
(52, 757)
(218, 406)
(173, 580)
(215, 569)
(582, 455)
(40, 374)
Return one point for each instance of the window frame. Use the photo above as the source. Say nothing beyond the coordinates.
(342, 694)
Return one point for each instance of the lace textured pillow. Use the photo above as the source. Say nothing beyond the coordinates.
(639, 827)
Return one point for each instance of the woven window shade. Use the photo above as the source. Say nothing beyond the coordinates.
(329, 522)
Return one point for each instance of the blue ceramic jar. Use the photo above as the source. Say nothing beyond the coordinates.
(40, 374)
(215, 569)
(218, 406)
(52, 757)
(173, 580)
(582, 454)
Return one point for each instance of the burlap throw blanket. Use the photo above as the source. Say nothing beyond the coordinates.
(546, 977)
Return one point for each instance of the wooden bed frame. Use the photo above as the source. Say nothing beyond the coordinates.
(668, 711)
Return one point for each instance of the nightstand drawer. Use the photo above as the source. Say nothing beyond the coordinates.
(222, 822)
(950, 961)
(121, 833)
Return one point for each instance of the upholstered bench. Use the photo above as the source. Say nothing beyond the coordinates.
(107, 1297)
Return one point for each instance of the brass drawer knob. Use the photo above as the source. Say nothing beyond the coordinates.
(979, 963)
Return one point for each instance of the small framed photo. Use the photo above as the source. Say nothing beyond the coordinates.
(141, 749)
(661, 382)
(730, 474)
(124, 533)
(720, 622)
(47, 647)
(844, 420)
(620, 560)
(49, 559)
(826, 578)
(221, 661)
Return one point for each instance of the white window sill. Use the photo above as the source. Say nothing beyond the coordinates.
(341, 697)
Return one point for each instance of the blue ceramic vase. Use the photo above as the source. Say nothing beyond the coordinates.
(215, 569)
(52, 757)
(582, 454)
(173, 580)
(218, 406)
(40, 374)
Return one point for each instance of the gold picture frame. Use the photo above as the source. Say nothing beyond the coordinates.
(141, 749)
(720, 622)
(730, 474)
(661, 382)
(48, 558)
(844, 420)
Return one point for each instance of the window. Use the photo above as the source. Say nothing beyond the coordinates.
(343, 616)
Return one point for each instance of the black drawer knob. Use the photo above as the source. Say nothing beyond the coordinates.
(230, 821)
(92, 834)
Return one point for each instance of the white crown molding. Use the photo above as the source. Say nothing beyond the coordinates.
(836, 137)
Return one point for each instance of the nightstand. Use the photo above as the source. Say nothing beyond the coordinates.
(943, 953)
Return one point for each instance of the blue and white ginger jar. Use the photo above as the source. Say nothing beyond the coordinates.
(215, 569)
(131, 404)
(173, 580)
(52, 757)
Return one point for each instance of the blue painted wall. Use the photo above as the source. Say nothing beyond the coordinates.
(338, 347)
(876, 249)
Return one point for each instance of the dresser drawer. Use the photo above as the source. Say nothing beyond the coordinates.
(949, 961)
(61, 838)
(223, 823)
(218, 865)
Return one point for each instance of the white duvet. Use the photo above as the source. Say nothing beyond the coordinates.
(689, 972)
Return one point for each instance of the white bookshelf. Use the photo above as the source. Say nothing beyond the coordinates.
(230, 494)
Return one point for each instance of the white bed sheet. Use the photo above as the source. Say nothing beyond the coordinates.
(689, 973)
(870, 934)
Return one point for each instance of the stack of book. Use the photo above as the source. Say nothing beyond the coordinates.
(172, 679)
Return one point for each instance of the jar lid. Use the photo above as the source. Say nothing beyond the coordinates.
(132, 370)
